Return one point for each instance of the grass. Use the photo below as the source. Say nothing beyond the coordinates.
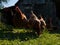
(22, 37)
(11, 36)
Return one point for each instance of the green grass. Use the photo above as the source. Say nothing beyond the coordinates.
(24, 37)
(11, 36)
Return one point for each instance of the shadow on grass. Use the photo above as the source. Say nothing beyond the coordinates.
(21, 36)
(6, 32)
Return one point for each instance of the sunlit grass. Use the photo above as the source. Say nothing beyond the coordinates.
(27, 37)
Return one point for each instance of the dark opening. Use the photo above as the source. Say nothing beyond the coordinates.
(57, 2)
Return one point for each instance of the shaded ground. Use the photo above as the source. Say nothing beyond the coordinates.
(23, 36)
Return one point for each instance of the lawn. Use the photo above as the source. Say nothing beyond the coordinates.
(15, 36)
